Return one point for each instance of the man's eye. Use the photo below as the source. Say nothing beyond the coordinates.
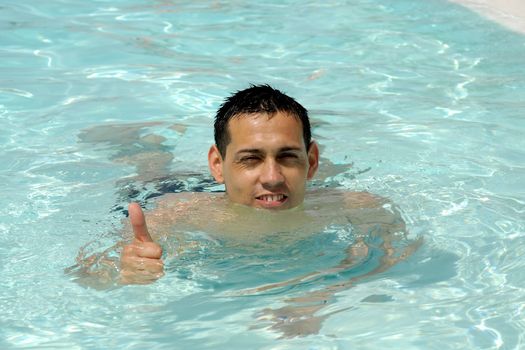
(249, 159)
(289, 156)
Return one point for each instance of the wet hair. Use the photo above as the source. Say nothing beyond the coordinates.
(257, 99)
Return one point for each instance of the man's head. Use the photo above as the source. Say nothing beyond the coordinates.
(263, 151)
(257, 99)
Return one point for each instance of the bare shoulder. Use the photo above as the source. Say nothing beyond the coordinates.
(171, 200)
(369, 209)
(348, 199)
(180, 208)
(365, 210)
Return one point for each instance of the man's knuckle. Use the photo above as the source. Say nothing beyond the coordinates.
(128, 250)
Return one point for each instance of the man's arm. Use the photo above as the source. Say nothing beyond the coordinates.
(373, 219)
(369, 216)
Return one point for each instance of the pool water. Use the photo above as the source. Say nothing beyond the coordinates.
(419, 102)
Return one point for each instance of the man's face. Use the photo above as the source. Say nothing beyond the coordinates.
(266, 164)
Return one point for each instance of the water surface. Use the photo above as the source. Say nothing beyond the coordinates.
(418, 102)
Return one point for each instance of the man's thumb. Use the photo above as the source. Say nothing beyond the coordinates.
(138, 222)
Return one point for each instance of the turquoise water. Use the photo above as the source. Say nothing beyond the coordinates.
(419, 102)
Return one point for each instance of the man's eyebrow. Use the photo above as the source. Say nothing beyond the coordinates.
(249, 150)
(288, 149)
(259, 151)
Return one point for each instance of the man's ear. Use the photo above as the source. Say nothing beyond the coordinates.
(215, 164)
(313, 160)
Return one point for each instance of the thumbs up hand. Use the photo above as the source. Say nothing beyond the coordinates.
(140, 261)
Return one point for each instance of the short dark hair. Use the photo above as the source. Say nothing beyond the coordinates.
(257, 99)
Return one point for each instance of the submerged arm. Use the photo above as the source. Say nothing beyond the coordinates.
(373, 220)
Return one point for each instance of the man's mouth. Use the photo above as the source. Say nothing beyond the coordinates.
(271, 200)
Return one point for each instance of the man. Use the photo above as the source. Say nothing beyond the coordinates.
(264, 155)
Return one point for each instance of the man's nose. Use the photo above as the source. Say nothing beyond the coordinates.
(272, 174)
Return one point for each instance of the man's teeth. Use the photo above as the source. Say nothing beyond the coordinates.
(273, 198)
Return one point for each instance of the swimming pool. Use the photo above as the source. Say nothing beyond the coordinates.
(419, 102)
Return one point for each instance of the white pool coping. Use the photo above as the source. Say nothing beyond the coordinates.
(509, 13)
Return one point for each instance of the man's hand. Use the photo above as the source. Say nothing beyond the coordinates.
(140, 261)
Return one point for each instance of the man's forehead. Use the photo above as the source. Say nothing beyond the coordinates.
(262, 130)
